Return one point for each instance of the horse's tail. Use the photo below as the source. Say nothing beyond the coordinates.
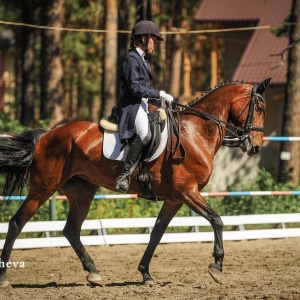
(16, 155)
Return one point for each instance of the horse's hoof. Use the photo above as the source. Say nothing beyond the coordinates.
(215, 274)
(4, 284)
(94, 279)
(149, 282)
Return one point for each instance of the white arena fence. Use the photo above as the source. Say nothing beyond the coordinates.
(278, 226)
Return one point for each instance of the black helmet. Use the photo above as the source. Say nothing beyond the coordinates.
(145, 28)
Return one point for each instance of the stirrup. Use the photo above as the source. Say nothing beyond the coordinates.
(122, 183)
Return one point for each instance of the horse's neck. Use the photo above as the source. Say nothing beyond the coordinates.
(215, 105)
(211, 133)
(219, 101)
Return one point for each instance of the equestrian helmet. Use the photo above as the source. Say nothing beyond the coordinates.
(146, 28)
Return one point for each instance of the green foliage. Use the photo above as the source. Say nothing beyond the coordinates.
(83, 53)
(284, 29)
(9, 208)
(261, 204)
(126, 208)
(134, 208)
(44, 123)
(10, 11)
(10, 125)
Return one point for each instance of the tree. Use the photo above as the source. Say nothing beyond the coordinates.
(176, 52)
(143, 10)
(83, 60)
(28, 63)
(123, 39)
(70, 70)
(110, 58)
(51, 62)
(290, 169)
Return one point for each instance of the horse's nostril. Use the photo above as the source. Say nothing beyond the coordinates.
(256, 149)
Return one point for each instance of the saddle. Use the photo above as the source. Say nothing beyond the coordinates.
(111, 123)
(157, 122)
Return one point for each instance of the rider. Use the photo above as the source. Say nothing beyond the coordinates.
(136, 89)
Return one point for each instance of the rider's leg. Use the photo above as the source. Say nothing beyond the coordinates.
(143, 136)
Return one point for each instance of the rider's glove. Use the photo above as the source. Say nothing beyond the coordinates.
(166, 97)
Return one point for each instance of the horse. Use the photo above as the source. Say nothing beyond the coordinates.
(69, 158)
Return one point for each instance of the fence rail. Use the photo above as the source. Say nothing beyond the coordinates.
(236, 228)
(135, 196)
(205, 194)
(282, 138)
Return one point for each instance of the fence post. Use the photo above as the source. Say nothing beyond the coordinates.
(53, 211)
(53, 208)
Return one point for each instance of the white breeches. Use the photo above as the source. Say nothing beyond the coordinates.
(141, 122)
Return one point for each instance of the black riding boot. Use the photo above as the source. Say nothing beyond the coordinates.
(130, 163)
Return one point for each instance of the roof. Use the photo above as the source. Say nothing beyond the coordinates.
(256, 64)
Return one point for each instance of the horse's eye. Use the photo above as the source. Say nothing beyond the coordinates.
(260, 106)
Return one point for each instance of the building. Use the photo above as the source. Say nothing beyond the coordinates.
(248, 55)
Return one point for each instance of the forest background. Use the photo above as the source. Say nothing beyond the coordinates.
(73, 73)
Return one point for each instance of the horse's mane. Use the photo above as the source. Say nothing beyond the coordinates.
(206, 93)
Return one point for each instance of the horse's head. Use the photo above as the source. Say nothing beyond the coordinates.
(250, 117)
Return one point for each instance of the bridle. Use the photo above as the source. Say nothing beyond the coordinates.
(254, 103)
(238, 135)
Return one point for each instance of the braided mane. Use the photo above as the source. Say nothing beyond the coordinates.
(206, 93)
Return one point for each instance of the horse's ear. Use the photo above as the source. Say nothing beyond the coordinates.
(261, 88)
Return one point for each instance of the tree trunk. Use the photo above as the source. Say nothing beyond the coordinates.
(123, 39)
(28, 58)
(290, 168)
(51, 62)
(143, 10)
(110, 58)
(176, 61)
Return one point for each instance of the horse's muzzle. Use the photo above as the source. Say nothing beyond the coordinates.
(254, 150)
(249, 147)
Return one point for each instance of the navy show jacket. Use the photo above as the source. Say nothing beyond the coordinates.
(136, 84)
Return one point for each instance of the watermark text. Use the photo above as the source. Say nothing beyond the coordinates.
(12, 264)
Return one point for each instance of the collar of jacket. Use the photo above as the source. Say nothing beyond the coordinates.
(141, 53)
(145, 61)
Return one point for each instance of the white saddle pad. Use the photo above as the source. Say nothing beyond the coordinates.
(112, 146)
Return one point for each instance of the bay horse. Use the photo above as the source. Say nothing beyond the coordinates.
(69, 158)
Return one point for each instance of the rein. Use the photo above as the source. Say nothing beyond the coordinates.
(216, 120)
(174, 129)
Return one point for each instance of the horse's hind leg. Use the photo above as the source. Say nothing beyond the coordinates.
(16, 224)
(80, 194)
(166, 214)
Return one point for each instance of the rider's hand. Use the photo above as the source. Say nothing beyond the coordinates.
(166, 97)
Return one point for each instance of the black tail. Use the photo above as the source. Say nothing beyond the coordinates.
(16, 154)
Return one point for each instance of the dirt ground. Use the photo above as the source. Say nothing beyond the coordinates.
(262, 269)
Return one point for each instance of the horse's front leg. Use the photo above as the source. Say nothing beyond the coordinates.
(198, 204)
(166, 214)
